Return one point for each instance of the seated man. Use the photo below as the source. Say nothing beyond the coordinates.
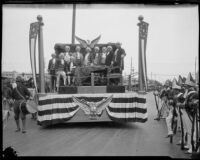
(61, 69)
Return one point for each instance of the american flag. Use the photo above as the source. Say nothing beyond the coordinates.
(143, 30)
(34, 28)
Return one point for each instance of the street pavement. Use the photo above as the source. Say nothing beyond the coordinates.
(95, 139)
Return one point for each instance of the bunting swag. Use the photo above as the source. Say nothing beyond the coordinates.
(123, 107)
(34, 27)
(143, 29)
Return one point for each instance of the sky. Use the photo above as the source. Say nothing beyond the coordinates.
(172, 42)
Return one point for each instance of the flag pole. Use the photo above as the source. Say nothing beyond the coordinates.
(73, 23)
(41, 55)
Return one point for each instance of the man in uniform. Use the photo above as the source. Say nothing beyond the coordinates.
(20, 94)
(52, 71)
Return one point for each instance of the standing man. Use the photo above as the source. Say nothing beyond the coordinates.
(52, 72)
(88, 57)
(109, 55)
(67, 54)
(97, 58)
(118, 58)
(20, 94)
(103, 56)
(78, 57)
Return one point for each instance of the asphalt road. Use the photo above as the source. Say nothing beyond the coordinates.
(95, 139)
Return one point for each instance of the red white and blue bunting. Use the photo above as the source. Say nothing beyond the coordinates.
(123, 107)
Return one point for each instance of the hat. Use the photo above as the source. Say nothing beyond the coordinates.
(167, 83)
(96, 47)
(109, 47)
(180, 80)
(61, 55)
(175, 85)
(190, 81)
(88, 49)
(53, 54)
(78, 47)
(19, 79)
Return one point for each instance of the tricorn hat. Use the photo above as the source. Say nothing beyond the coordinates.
(175, 85)
(190, 81)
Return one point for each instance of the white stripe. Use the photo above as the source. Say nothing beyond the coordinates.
(127, 115)
(128, 105)
(56, 116)
(115, 95)
(32, 53)
(55, 106)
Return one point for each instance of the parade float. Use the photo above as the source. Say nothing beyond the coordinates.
(91, 100)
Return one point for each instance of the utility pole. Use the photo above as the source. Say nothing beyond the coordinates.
(73, 23)
(195, 73)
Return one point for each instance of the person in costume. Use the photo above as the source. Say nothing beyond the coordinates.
(52, 72)
(61, 70)
(20, 94)
(88, 57)
(97, 56)
(118, 58)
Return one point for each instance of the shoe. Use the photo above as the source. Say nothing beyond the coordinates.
(169, 135)
(188, 152)
(24, 131)
(157, 119)
(17, 130)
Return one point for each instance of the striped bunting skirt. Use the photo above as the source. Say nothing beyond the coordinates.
(124, 107)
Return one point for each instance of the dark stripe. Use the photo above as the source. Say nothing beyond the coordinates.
(92, 99)
(127, 110)
(52, 122)
(141, 120)
(57, 110)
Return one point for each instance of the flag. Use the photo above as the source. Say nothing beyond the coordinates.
(190, 81)
(143, 30)
(34, 27)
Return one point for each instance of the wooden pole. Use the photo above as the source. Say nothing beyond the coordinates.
(41, 55)
(73, 23)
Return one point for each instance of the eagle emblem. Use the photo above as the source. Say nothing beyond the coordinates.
(88, 43)
(93, 109)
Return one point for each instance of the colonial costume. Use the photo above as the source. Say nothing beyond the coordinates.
(103, 56)
(52, 72)
(109, 55)
(88, 57)
(78, 57)
(118, 56)
(97, 56)
(20, 94)
(61, 69)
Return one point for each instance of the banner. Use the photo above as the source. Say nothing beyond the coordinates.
(121, 107)
(143, 29)
(34, 27)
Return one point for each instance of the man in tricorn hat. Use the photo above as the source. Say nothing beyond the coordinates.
(118, 57)
(52, 71)
(20, 94)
